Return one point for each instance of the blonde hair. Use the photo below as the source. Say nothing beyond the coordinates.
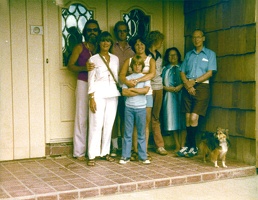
(137, 60)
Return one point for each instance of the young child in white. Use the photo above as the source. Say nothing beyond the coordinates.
(135, 112)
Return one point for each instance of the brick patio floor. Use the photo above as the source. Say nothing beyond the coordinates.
(68, 178)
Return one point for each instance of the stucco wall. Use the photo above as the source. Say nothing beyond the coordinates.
(231, 32)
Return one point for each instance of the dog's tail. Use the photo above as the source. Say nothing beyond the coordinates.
(204, 149)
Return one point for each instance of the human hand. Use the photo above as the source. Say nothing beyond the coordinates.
(93, 105)
(189, 84)
(90, 66)
(131, 83)
(170, 89)
(192, 91)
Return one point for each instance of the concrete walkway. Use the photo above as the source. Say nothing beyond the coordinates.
(245, 188)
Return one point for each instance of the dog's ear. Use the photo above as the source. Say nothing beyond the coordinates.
(226, 132)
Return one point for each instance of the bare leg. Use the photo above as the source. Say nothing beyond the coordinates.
(183, 138)
(135, 147)
(176, 138)
(148, 118)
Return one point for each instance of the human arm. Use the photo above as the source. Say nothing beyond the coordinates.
(172, 88)
(91, 90)
(123, 73)
(151, 73)
(92, 103)
(130, 92)
(73, 60)
(189, 84)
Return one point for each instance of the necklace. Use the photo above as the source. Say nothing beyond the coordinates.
(106, 57)
(86, 44)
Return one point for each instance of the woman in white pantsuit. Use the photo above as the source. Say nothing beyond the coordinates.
(103, 99)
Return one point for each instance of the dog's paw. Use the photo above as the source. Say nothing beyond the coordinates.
(224, 165)
(216, 164)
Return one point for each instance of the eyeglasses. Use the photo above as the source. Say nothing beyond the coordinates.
(172, 55)
(92, 30)
(122, 31)
(198, 37)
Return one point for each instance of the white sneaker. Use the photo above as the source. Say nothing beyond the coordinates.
(124, 161)
(182, 152)
(192, 152)
(145, 162)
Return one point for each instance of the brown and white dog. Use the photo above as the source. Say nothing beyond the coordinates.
(215, 145)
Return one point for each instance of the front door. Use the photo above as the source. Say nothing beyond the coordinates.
(60, 82)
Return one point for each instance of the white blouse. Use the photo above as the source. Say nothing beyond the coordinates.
(100, 81)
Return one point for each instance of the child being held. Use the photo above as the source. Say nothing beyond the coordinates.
(135, 112)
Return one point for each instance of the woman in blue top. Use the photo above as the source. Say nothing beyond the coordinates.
(173, 118)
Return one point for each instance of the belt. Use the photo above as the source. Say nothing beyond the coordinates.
(207, 81)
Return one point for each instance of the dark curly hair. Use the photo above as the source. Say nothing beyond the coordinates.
(90, 21)
(166, 56)
(134, 39)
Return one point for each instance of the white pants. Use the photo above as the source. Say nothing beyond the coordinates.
(81, 119)
(100, 126)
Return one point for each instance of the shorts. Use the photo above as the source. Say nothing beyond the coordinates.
(199, 103)
(149, 99)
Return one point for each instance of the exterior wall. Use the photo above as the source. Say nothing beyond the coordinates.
(230, 29)
(29, 62)
(256, 76)
(21, 81)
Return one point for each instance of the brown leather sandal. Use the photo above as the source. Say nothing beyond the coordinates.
(91, 162)
(82, 158)
(108, 158)
(134, 156)
(149, 156)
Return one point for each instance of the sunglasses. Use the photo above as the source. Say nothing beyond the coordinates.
(92, 30)
(122, 31)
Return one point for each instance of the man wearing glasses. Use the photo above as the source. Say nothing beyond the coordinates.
(196, 70)
(123, 51)
(79, 64)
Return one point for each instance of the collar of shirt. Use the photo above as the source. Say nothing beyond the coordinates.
(170, 66)
(204, 50)
(126, 47)
(158, 55)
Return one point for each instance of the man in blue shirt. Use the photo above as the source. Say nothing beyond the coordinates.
(198, 67)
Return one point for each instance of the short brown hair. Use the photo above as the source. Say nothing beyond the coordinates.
(154, 37)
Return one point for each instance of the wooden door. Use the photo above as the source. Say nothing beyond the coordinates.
(61, 83)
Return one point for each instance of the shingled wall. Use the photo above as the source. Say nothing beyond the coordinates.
(230, 29)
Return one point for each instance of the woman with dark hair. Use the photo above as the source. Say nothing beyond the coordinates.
(138, 45)
(173, 118)
(103, 99)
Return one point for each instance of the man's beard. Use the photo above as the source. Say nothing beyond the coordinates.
(92, 39)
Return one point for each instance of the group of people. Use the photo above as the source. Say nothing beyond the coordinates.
(150, 86)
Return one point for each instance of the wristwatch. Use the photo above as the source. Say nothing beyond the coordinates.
(195, 81)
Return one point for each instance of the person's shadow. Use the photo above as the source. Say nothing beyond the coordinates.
(73, 38)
